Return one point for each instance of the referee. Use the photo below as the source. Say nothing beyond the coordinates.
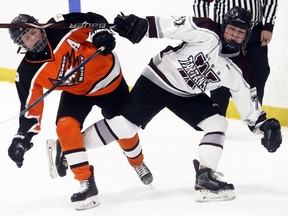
(263, 17)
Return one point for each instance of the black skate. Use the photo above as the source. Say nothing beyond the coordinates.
(208, 186)
(60, 161)
(272, 135)
(56, 160)
(86, 197)
(144, 174)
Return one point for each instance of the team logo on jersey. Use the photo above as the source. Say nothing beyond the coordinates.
(179, 21)
(73, 44)
(197, 72)
(69, 62)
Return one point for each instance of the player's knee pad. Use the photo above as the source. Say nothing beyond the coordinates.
(214, 123)
(65, 125)
(122, 128)
(106, 131)
(68, 131)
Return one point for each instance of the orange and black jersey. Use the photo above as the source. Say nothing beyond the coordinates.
(66, 49)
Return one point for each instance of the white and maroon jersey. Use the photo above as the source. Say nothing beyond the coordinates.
(196, 65)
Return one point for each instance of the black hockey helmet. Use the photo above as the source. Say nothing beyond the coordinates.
(241, 18)
(16, 33)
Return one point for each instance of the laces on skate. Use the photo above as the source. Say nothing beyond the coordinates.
(144, 174)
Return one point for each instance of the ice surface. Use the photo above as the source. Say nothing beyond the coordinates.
(169, 146)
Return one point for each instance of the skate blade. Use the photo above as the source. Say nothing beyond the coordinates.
(150, 186)
(51, 155)
(148, 181)
(90, 202)
(208, 196)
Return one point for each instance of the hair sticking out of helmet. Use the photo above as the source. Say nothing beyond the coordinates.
(237, 17)
(17, 33)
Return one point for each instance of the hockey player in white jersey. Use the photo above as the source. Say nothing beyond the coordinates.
(209, 56)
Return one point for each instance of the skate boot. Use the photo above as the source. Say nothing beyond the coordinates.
(144, 173)
(86, 197)
(272, 135)
(208, 186)
(56, 160)
(60, 161)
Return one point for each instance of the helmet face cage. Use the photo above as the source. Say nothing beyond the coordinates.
(17, 33)
(237, 17)
(40, 44)
(20, 33)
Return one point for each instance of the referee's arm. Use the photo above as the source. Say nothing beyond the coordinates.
(201, 8)
(269, 14)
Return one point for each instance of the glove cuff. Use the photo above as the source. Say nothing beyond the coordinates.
(23, 135)
(99, 31)
(142, 25)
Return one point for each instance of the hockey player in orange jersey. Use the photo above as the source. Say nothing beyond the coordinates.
(49, 55)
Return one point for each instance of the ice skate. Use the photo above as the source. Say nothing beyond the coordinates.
(60, 161)
(208, 186)
(272, 134)
(56, 160)
(86, 197)
(144, 174)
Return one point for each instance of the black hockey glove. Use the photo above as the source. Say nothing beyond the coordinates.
(131, 27)
(103, 37)
(272, 134)
(20, 144)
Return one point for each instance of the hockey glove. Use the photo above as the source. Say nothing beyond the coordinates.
(131, 27)
(272, 135)
(20, 144)
(105, 38)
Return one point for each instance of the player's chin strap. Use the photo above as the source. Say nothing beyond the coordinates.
(56, 84)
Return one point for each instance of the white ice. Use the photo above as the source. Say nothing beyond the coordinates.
(170, 145)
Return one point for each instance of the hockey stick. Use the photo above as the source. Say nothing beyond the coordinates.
(56, 25)
(57, 83)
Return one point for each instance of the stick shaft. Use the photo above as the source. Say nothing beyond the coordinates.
(59, 82)
(56, 25)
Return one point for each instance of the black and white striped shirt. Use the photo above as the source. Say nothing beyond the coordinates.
(263, 11)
